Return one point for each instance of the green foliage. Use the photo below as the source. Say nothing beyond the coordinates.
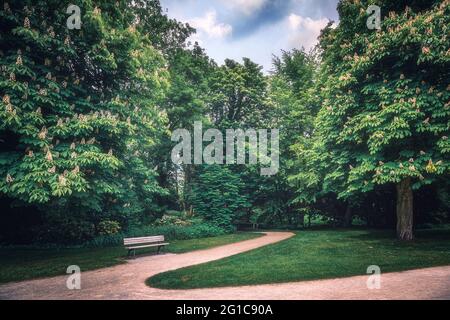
(385, 114)
(107, 227)
(292, 111)
(64, 229)
(217, 196)
(188, 94)
(186, 102)
(298, 70)
(86, 117)
(172, 220)
(79, 117)
(170, 232)
(238, 95)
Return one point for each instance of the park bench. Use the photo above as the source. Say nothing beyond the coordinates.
(132, 244)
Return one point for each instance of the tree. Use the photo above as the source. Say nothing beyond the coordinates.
(79, 122)
(298, 69)
(385, 115)
(167, 35)
(292, 111)
(217, 196)
(238, 94)
(186, 102)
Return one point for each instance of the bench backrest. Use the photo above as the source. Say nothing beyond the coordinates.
(142, 240)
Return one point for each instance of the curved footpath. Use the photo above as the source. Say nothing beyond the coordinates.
(127, 281)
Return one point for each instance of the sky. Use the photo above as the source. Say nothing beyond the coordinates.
(255, 29)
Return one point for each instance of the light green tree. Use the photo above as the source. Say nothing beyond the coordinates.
(385, 114)
(79, 122)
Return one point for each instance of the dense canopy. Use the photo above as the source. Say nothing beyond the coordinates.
(86, 117)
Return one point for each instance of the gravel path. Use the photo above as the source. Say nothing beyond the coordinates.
(127, 281)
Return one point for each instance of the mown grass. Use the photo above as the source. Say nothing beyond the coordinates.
(17, 264)
(312, 255)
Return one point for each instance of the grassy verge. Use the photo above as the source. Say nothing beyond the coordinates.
(312, 255)
(17, 264)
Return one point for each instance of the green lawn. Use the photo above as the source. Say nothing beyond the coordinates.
(23, 264)
(314, 255)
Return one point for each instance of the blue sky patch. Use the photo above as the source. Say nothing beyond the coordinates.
(255, 29)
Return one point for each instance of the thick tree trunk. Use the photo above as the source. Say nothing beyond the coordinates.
(405, 210)
(348, 217)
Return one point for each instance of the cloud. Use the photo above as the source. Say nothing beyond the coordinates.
(304, 31)
(247, 7)
(209, 25)
(253, 28)
(294, 21)
(268, 12)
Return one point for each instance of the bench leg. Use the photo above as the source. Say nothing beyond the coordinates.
(131, 253)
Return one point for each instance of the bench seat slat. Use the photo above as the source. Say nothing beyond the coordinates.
(148, 246)
(128, 241)
(145, 238)
(139, 242)
(132, 244)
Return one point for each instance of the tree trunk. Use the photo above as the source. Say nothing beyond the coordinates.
(301, 219)
(405, 210)
(348, 217)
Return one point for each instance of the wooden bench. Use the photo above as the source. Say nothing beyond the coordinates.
(132, 244)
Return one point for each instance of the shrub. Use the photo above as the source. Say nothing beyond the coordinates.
(167, 220)
(67, 231)
(220, 203)
(170, 232)
(108, 227)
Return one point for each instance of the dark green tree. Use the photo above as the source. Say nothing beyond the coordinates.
(239, 94)
(186, 102)
(217, 196)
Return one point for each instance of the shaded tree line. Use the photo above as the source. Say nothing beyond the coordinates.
(87, 116)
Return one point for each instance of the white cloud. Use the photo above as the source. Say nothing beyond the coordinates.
(209, 25)
(304, 31)
(294, 21)
(245, 6)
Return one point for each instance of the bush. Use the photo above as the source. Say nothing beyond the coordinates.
(108, 227)
(170, 232)
(67, 231)
(220, 203)
(168, 220)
